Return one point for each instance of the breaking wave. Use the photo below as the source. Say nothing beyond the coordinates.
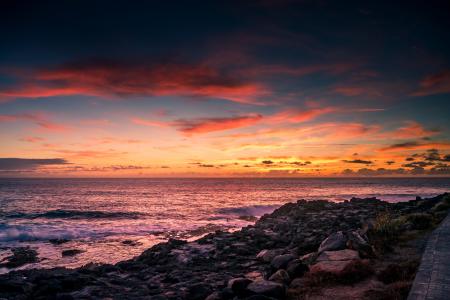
(251, 210)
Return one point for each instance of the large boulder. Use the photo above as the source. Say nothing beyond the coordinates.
(336, 241)
(345, 254)
(330, 266)
(267, 288)
(281, 261)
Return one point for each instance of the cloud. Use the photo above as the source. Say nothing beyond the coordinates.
(37, 118)
(299, 116)
(119, 79)
(358, 161)
(204, 125)
(414, 145)
(7, 164)
(412, 129)
(438, 83)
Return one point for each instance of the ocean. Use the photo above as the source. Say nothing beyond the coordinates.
(115, 219)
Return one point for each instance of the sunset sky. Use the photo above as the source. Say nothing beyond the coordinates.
(224, 88)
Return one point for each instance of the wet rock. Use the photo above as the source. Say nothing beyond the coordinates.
(71, 252)
(296, 268)
(280, 276)
(336, 241)
(281, 261)
(131, 243)
(58, 241)
(267, 288)
(346, 254)
(20, 256)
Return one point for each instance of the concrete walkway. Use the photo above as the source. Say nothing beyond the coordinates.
(433, 278)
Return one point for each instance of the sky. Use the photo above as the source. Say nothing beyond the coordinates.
(257, 88)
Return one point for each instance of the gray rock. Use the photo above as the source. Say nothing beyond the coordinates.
(357, 242)
(281, 261)
(267, 288)
(336, 241)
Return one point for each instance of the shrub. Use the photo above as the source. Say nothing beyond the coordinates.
(441, 206)
(399, 272)
(395, 291)
(420, 220)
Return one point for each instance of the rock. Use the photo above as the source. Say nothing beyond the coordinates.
(198, 291)
(346, 254)
(336, 241)
(296, 268)
(131, 243)
(20, 256)
(298, 283)
(357, 242)
(239, 285)
(280, 276)
(58, 241)
(255, 275)
(268, 255)
(267, 288)
(281, 261)
(71, 252)
(330, 266)
(309, 258)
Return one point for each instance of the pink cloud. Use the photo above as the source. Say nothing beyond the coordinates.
(112, 79)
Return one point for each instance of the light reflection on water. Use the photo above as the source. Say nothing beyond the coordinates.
(97, 215)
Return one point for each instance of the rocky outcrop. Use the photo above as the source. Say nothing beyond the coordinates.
(261, 261)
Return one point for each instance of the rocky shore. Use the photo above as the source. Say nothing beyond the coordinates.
(357, 249)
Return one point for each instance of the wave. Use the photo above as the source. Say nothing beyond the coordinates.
(251, 210)
(74, 214)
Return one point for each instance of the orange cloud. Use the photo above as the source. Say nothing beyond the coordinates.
(205, 125)
(112, 79)
(298, 116)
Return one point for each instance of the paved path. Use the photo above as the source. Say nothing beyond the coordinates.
(432, 281)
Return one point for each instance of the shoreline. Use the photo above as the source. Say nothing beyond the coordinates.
(252, 261)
